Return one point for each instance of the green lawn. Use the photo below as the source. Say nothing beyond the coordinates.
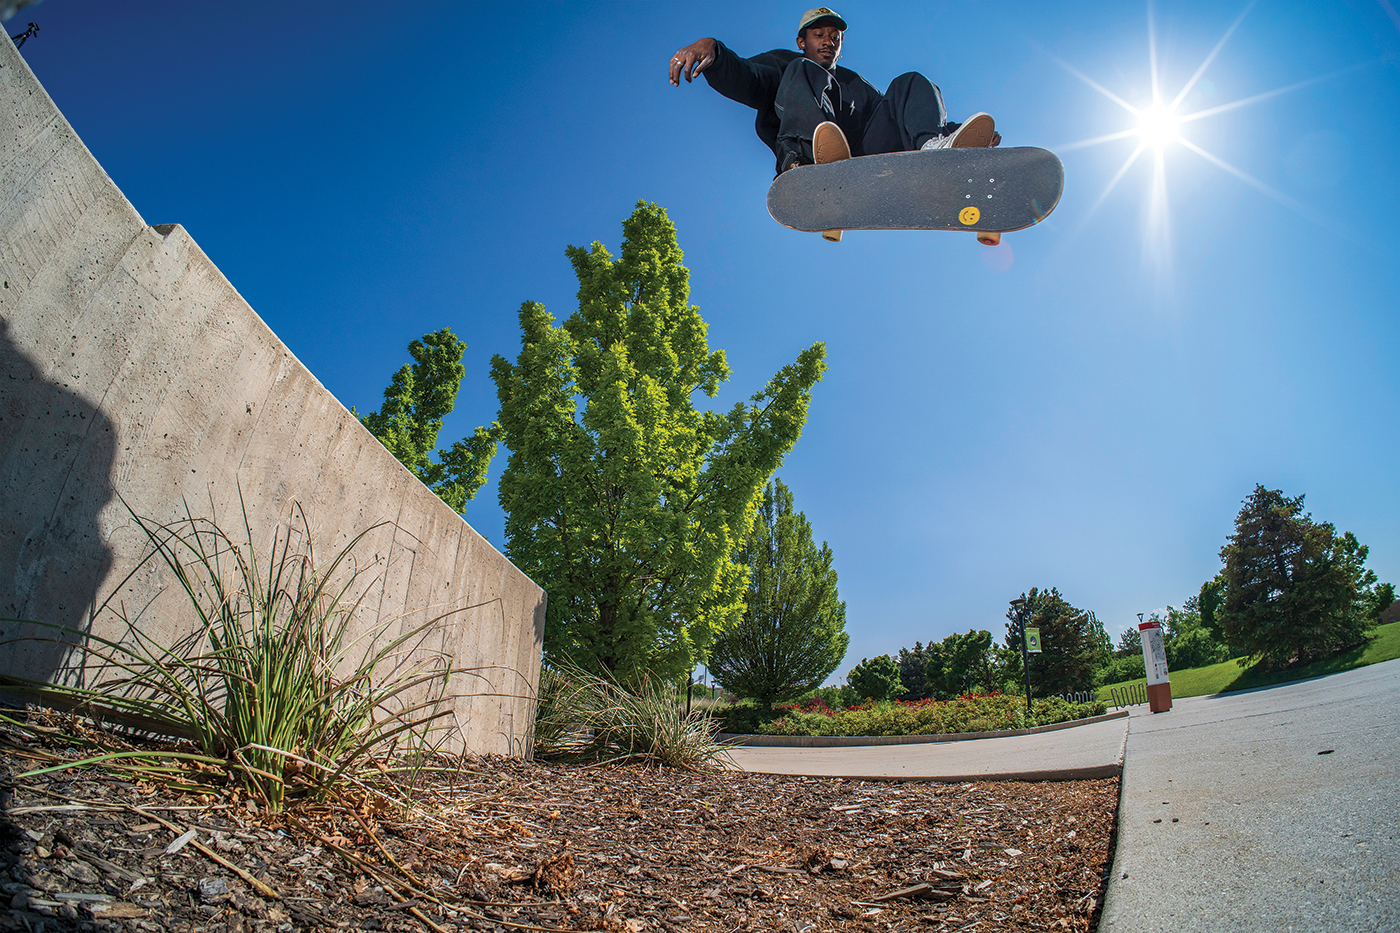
(1228, 675)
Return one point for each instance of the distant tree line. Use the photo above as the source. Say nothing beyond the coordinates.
(1291, 590)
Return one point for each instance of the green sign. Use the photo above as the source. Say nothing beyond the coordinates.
(1033, 641)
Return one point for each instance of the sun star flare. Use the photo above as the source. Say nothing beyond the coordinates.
(1158, 128)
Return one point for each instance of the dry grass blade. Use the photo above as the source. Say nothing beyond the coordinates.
(261, 887)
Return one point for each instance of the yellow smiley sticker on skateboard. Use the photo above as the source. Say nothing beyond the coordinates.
(969, 215)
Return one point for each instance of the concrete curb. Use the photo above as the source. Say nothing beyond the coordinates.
(848, 741)
(1091, 773)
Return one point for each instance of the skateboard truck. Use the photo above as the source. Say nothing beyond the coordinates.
(988, 238)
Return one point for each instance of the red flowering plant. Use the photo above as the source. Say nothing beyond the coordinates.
(808, 705)
(971, 712)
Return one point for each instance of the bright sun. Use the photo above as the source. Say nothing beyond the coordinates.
(1157, 125)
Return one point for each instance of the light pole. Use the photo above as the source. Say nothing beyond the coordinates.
(1016, 605)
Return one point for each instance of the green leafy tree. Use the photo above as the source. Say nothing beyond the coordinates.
(1125, 662)
(623, 500)
(960, 664)
(419, 397)
(876, 678)
(1294, 588)
(1208, 603)
(1188, 641)
(1119, 668)
(1073, 642)
(793, 630)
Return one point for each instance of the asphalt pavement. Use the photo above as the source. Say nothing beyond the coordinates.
(1274, 809)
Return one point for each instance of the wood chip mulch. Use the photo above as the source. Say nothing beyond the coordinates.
(508, 845)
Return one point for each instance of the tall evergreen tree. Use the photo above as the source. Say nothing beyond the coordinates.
(1294, 588)
(913, 665)
(623, 500)
(420, 395)
(793, 630)
(1073, 642)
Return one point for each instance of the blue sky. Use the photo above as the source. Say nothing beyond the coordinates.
(1084, 407)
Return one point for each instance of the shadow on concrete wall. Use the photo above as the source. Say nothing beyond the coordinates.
(56, 456)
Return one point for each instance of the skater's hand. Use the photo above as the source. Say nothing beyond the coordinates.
(692, 60)
(996, 139)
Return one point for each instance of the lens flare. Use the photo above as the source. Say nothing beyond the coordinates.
(1158, 129)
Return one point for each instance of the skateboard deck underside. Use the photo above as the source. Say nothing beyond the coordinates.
(982, 190)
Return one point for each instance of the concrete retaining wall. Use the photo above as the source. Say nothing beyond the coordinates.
(133, 374)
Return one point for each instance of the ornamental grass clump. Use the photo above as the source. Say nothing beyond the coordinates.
(278, 683)
(582, 715)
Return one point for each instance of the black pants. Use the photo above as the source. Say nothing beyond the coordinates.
(908, 114)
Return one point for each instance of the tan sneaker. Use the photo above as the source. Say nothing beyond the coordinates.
(829, 143)
(976, 133)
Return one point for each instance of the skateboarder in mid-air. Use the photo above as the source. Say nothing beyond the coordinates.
(810, 111)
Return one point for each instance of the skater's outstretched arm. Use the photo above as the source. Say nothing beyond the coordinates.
(692, 60)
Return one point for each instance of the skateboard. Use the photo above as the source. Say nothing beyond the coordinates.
(987, 191)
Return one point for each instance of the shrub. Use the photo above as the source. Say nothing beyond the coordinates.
(1054, 709)
(1192, 648)
(746, 717)
(836, 697)
(1119, 669)
(988, 712)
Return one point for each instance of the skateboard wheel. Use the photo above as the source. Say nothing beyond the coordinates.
(833, 236)
(989, 238)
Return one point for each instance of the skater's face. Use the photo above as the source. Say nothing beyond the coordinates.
(822, 44)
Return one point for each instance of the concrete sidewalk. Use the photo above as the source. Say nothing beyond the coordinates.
(1268, 810)
(1078, 753)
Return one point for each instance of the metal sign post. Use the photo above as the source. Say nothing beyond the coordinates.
(1018, 604)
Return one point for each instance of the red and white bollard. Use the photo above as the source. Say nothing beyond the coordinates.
(1154, 657)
